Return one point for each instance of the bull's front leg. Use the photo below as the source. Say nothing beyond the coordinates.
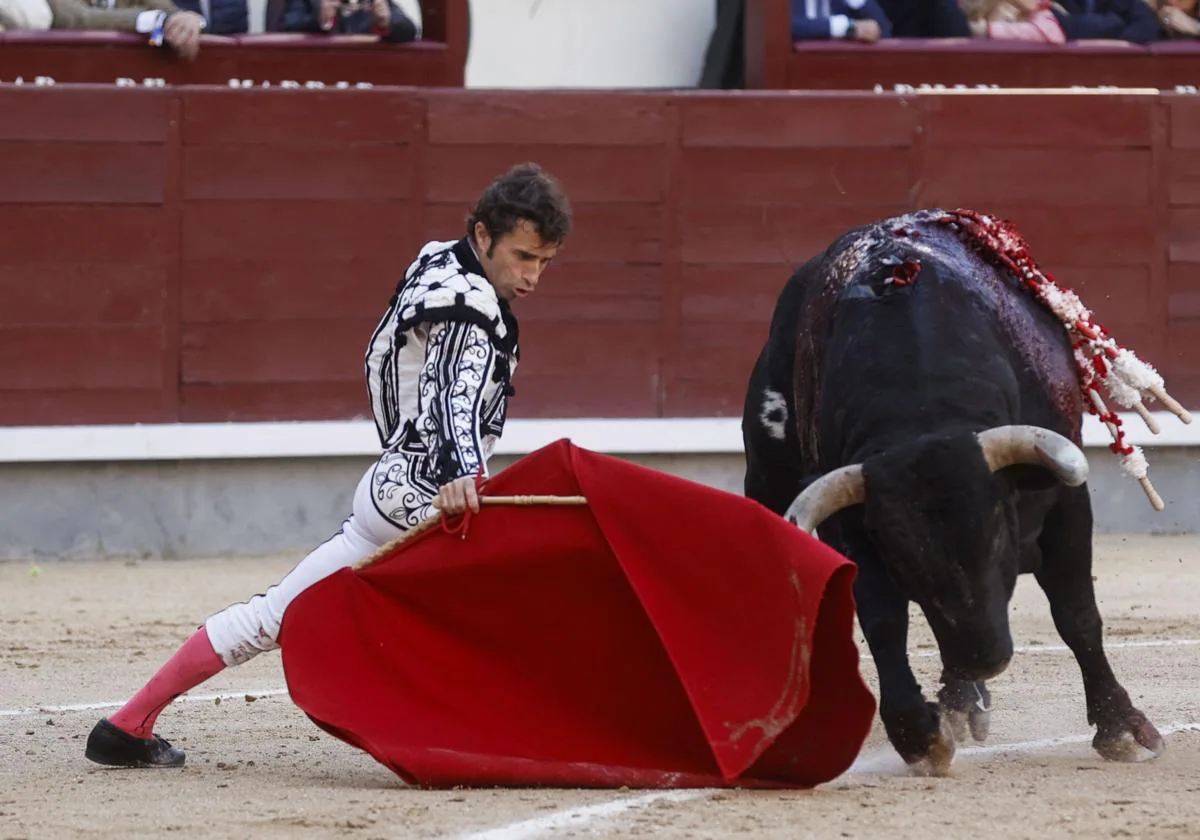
(914, 726)
(1066, 578)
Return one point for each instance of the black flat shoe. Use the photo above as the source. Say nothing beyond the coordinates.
(114, 747)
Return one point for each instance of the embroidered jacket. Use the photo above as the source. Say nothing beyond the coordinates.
(439, 368)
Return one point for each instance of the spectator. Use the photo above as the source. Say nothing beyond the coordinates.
(24, 14)
(1112, 20)
(225, 17)
(1178, 19)
(350, 17)
(725, 59)
(926, 18)
(161, 20)
(852, 20)
(1015, 20)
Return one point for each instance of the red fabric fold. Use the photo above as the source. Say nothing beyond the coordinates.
(665, 635)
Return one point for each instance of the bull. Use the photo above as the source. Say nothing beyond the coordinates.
(920, 411)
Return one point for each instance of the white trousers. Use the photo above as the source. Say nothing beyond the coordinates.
(242, 631)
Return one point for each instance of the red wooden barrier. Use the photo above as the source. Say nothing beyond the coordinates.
(437, 60)
(774, 62)
(204, 255)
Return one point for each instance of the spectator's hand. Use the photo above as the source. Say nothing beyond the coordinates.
(978, 27)
(1178, 21)
(182, 32)
(458, 495)
(381, 13)
(329, 13)
(866, 30)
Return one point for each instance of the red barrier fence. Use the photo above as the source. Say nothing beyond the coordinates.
(223, 255)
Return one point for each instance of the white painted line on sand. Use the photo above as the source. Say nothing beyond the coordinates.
(257, 694)
(1050, 743)
(276, 692)
(885, 760)
(1108, 645)
(880, 761)
(577, 817)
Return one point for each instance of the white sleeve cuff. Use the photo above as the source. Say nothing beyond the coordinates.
(839, 25)
(149, 19)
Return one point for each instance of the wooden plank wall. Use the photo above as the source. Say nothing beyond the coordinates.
(211, 255)
(88, 256)
(299, 213)
(1181, 228)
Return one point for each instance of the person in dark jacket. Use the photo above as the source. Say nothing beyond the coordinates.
(350, 17)
(853, 20)
(225, 17)
(926, 18)
(725, 59)
(1115, 20)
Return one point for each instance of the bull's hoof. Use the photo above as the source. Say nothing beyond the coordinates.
(1132, 740)
(968, 708)
(938, 760)
(957, 722)
(977, 723)
(980, 721)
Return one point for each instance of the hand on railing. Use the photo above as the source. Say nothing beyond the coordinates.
(182, 33)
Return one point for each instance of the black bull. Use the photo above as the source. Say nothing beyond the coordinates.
(922, 409)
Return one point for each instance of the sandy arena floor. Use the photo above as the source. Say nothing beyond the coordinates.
(77, 634)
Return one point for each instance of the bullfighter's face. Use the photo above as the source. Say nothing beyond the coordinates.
(514, 262)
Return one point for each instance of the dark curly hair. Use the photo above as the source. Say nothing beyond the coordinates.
(524, 192)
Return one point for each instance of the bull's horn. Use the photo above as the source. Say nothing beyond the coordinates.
(826, 496)
(1007, 445)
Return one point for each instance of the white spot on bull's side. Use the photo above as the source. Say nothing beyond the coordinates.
(774, 414)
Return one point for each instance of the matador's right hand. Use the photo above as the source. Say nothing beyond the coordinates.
(456, 496)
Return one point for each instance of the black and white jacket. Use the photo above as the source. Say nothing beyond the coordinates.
(439, 371)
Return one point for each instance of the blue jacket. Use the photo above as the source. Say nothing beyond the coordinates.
(225, 17)
(824, 19)
(1119, 20)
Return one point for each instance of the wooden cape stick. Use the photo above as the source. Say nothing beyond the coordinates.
(484, 501)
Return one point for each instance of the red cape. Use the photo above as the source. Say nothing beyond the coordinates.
(665, 635)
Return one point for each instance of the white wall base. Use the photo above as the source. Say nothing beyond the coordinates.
(220, 441)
